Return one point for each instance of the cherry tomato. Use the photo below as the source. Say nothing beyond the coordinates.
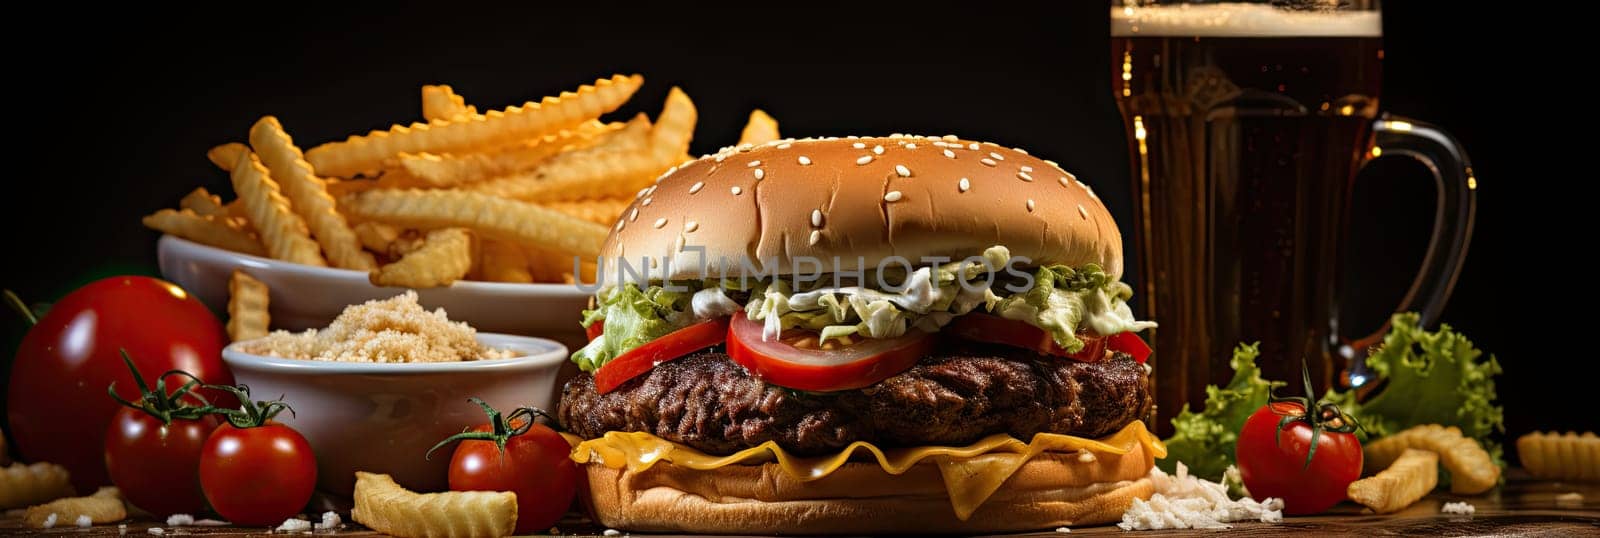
(850, 367)
(674, 345)
(1276, 465)
(56, 401)
(533, 463)
(259, 475)
(998, 330)
(156, 465)
(594, 330)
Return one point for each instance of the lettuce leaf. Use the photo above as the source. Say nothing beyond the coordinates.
(1063, 299)
(1432, 378)
(633, 317)
(1204, 441)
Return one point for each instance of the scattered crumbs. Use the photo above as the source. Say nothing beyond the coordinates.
(1186, 502)
(156, 530)
(84, 522)
(612, 532)
(49, 521)
(1458, 508)
(179, 520)
(1063, 530)
(396, 329)
(293, 525)
(330, 521)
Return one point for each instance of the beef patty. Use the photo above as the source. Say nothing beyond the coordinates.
(954, 397)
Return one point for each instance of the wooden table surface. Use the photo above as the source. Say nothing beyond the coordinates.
(1522, 507)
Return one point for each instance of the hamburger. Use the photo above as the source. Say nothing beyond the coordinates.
(862, 335)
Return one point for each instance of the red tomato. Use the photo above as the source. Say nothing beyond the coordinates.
(1131, 344)
(156, 465)
(998, 330)
(56, 402)
(674, 345)
(594, 330)
(1277, 466)
(534, 464)
(850, 367)
(259, 475)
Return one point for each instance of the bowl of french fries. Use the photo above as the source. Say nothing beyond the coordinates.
(494, 216)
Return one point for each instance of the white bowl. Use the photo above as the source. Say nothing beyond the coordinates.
(383, 417)
(306, 297)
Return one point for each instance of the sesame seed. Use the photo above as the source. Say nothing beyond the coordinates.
(892, 196)
(746, 147)
(736, 190)
(1027, 168)
(691, 226)
(950, 138)
(1024, 176)
(987, 161)
(720, 157)
(950, 154)
(645, 202)
(1083, 212)
(661, 222)
(696, 187)
(964, 185)
(902, 170)
(864, 159)
(816, 218)
(760, 174)
(620, 223)
(973, 146)
(1020, 150)
(634, 215)
(752, 164)
(642, 192)
(1065, 182)
(816, 235)
(804, 160)
(858, 145)
(877, 150)
(1052, 163)
(996, 156)
(911, 146)
(1030, 205)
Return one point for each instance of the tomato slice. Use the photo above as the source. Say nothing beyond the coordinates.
(674, 345)
(998, 330)
(594, 330)
(850, 367)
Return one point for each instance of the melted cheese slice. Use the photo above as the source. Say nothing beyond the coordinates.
(971, 473)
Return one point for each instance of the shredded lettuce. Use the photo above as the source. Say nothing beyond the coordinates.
(633, 317)
(1062, 299)
(1204, 441)
(1435, 377)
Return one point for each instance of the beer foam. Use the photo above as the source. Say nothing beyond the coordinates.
(1241, 20)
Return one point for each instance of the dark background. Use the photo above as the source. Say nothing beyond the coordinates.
(111, 113)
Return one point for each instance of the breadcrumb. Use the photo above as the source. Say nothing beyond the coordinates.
(388, 330)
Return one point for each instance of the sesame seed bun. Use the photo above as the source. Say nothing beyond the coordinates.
(871, 198)
(1051, 490)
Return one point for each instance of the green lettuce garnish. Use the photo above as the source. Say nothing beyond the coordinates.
(1435, 377)
(1063, 299)
(1204, 441)
(633, 317)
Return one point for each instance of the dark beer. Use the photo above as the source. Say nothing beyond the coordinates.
(1247, 124)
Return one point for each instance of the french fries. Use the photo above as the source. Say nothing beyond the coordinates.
(361, 154)
(212, 231)
(495, 218)
(203, 203)
(282, 231)
(27, 484)
(445, 257)
(307, 195)
(760, 129)
(105, 506)
(247, 307)
(1554, 456)
(386, 507)
(542, 182)
(504, 261)
(440, 102)
(1471, 470)
(226, 155)
(1413, 475)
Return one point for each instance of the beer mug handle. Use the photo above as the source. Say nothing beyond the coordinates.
(1452, 222)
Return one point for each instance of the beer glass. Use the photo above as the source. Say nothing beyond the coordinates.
(1247, 124)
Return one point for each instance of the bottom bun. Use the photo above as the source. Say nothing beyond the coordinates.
(1050, 490)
